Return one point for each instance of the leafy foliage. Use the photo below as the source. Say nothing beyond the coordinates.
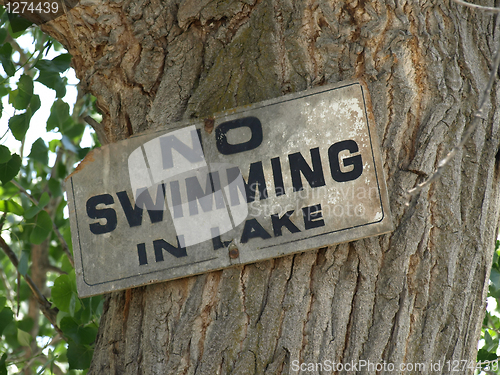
(487, 357)
(35, 243)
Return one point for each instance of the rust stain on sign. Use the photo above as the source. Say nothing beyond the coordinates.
(209, 124)
(88, 159)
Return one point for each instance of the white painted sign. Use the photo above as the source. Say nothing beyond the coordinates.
(286, 175)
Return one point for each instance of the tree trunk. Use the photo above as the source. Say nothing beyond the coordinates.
(416, 295)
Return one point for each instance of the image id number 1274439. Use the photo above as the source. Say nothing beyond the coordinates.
(22, 7)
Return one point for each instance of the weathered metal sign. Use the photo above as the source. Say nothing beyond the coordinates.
(282, 176)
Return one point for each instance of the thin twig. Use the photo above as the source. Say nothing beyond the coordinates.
(478, 116)
(40, 356)
(64, 245)
(99, 129)
(55, 269)
(8, 289)
(3, 277)
(18, 293)
(487, 363)
(475, 6)
(23, 190)
(47, 309)
(4, 134)
(23, 64)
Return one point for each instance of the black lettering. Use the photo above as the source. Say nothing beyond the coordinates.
(284, 221)
(134, 214)
(141, 252)
(313, 218)
(196, 194)
(169, 142)
(160, 245)
(279, 187)
(355, 161)
(298, 164)
(216, 240)
(225, 148)
(256, 181)
(198, 131)
(102, 213)
(253, 229)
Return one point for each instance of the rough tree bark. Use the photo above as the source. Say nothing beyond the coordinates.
(416, 295)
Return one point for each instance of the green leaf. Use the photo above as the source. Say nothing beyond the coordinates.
(53, 81)
(39, 152)
(53, 144)
(11, 206)
(10, 169)
(21, 97)
(86, 311)
(484, 355)
(62, 62)
(61, 292)
(24, 338)
(44, 199)
(83, 152)
(60, 316)
(79, 356)
(6, 59)
(26, 324)
(6, 317)
(43, 227)
(55, 187)
(4, 153)
(64, 294)
(18, 24)
(490, 343)
(70, 328)
(22, 267)
(58, 64)
(4, 90)
(74, 130)
(79, 334)
(19, 125)
(3, 366)
(3, 35)
(35, 103)
(61, 171)
(74, 304)
(495, 278)
(59, 115)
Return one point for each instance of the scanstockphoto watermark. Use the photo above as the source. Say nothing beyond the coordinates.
(340, 202)
(353, 366)
(328, 366)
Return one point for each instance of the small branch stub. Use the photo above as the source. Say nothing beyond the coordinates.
(233, 251)
(209, 124)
